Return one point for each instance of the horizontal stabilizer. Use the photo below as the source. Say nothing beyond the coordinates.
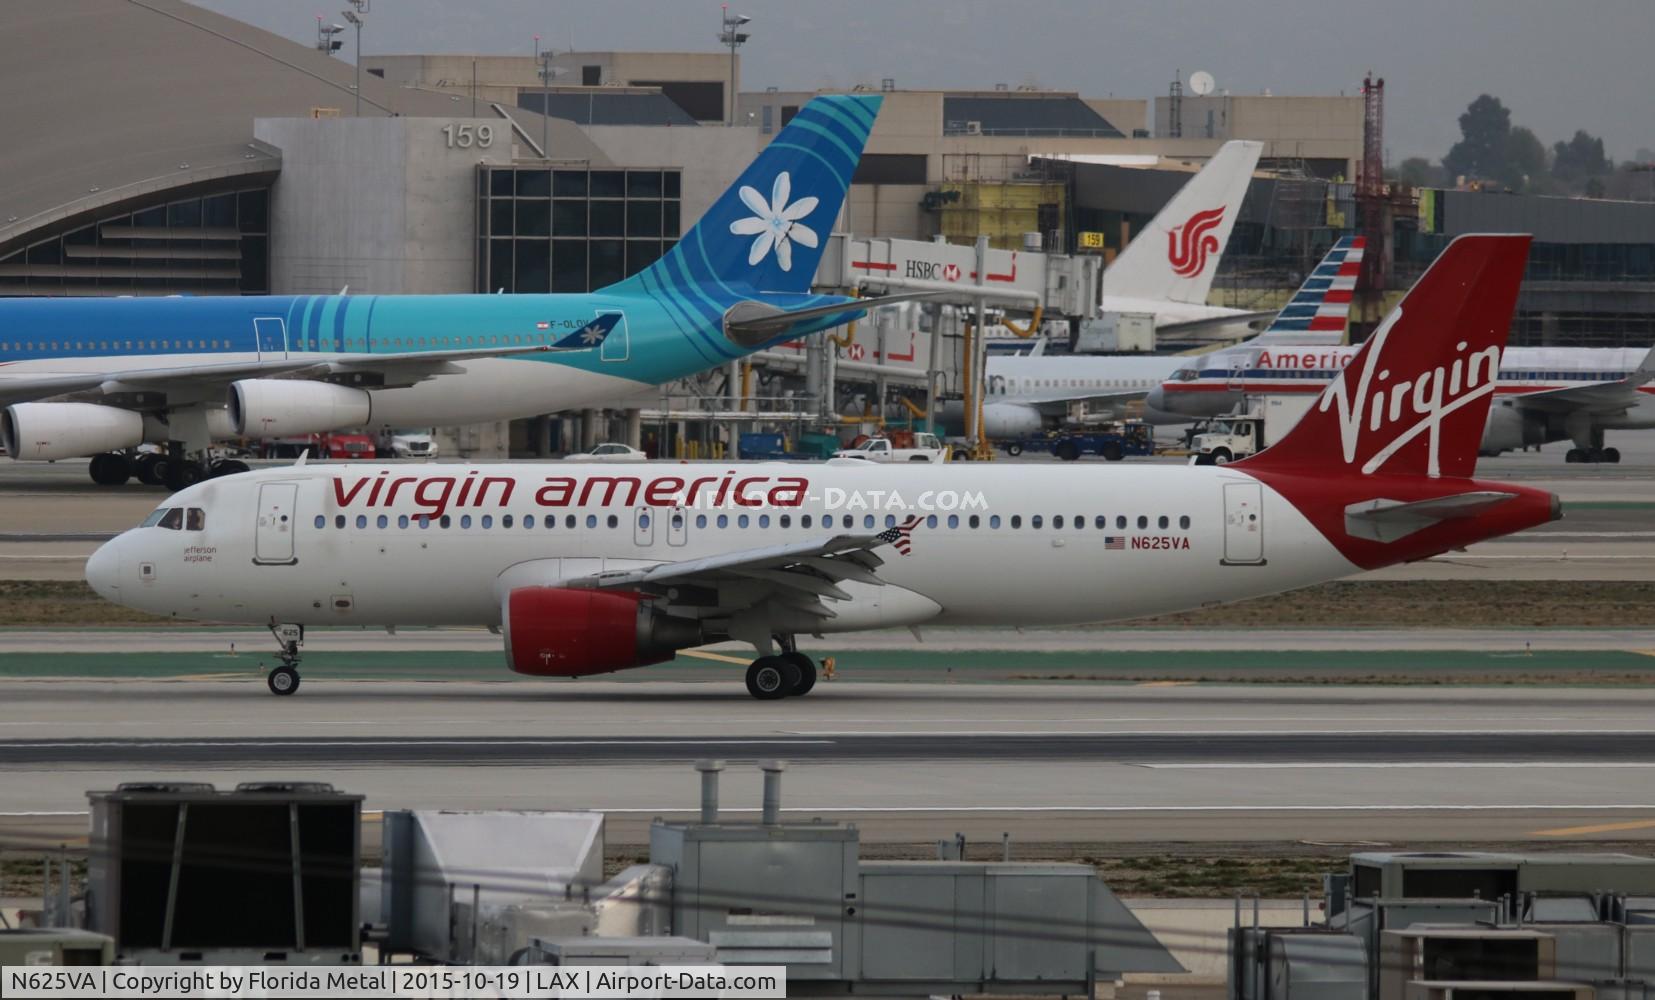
(752, 323)
(1389, 520)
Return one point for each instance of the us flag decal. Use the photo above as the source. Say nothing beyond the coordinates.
(900, 537)
(1114, 543)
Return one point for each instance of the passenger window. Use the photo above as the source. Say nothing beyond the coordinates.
(741, 521)
(445, 521)
(994, 520)
(1184, 522)
(1034, 522)
(764, 520)
(890, 520)
(487, 521)
(700, 520)
(195, 519)
(465, 520)
(613, 520)
(1057, 521)
(1143, 521)
(1164, 522)
(591, 520)
(953, 520)
(1016, 520)
(361, 520)
(321, 522)
(931, 521)
(339, 521)
(973, 521)
(568, 522)
(505, 520)
(723, 520)
(785, 521)
(1120, 520)
(643, 520)
(402, 521)
(424, 521)
(804, 521)
(867, 520)
(384, 521)
(528, 520)
(1080, 521)
(1101, 522)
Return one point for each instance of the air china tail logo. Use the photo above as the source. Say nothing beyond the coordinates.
(1406, 409)
(1189, 244)
(775, 224)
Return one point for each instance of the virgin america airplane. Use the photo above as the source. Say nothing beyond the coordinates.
(590, 569)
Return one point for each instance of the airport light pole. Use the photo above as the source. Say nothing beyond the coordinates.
(733, 36)
(355, 18)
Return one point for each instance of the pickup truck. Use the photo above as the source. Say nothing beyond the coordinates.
(926, 448)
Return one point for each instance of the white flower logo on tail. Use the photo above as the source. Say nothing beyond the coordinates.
(775, 223)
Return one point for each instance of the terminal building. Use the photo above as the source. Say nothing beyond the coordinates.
(177, 151)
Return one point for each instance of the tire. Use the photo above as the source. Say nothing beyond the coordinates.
(807, 673)
(283, 681)
(1612, 456)
(1221, 456)
(1572, 456)
(767, 678)
(151, 470)
(228, 467)
(1201, 459)
(1014, 449)
(182, 475)
(110, 470)
(1068, 451)
(961, 455)
(1111, 451)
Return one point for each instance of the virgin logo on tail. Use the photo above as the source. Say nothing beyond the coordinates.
(1189, 244)
(1407, 408)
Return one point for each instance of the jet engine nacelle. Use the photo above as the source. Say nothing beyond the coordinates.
(564, 632)
(1510, 428)
(37, 432)
(1011, 420)
(265, 407)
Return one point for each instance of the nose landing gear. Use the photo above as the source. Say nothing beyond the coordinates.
(284, 680)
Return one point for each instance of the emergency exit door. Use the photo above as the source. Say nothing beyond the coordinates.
(273, 537)
(1243, 524)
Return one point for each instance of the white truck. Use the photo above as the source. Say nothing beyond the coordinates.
(1248, 432)
(407, 444)
(926, 448)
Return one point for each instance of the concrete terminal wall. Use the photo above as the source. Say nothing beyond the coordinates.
(383, 205)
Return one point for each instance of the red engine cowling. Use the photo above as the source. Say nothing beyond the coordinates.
(561, 632)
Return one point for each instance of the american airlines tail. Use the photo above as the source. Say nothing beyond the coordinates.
(768, 230)
(1316, 314)
(1176, 257)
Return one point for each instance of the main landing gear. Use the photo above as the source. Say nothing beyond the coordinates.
(789, 673)
(170, 469)
(284, 680)
(1610, 455)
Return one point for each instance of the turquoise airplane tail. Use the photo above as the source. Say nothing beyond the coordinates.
(766, 233)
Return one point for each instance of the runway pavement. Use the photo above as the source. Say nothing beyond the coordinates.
(907, 762)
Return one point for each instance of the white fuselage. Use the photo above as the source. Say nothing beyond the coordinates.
(1111, 543)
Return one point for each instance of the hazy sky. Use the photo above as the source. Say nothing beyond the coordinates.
(1558, 65)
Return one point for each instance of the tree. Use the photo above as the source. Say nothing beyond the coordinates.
(1525, 159)
(1417, 171)
(1486, 127)
(1579, 158)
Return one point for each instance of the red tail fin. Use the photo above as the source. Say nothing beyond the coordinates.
(1415, 398)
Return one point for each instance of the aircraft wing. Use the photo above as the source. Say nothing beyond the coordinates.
(1616, 395)
(754, 322)
(800, 573)
(1059, 405)
(1217, 322)
(395, 369)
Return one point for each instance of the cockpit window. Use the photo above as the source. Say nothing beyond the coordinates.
(155, 517)
(173, 519)
(195, 519)
(1185, 375)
